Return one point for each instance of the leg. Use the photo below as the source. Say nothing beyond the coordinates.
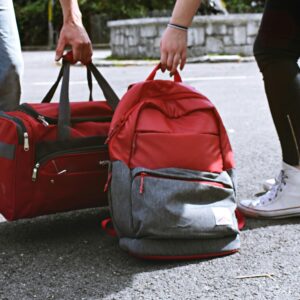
(277, 49)
(11, 65)
(282, 85)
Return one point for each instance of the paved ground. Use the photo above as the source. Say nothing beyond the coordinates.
(67, 256)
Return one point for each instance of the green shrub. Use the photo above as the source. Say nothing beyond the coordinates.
(32, 21)
(245, 6)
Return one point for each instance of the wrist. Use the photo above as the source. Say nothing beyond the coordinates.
(178, 27)
(73, 17)
(180, 21)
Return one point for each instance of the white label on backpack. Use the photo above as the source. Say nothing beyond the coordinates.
(222, 215)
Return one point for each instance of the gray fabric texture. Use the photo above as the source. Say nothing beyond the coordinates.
(173, 204)
(7, 150)
(151, 247)
(120, 199)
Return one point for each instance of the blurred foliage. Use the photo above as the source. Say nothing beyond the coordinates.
(32, 15)
(245, 6)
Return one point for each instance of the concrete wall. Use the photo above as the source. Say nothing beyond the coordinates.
(222, 34)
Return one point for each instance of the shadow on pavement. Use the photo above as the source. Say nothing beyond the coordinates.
(262, 223)
(66, 256)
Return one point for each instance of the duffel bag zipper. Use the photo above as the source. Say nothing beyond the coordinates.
(23, 137)
(144, 174)
(53, 155)
(46, 121)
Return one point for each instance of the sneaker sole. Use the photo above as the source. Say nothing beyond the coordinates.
(277, 214)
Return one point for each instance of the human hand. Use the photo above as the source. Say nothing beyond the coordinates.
(75, 35)
(173, 49)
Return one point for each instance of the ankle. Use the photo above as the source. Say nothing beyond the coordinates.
(286, 166)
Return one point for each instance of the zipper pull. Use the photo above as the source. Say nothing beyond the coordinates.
(142, 183)
(109, 177)
(110, 134)
(103, 163)
(115, 129)
(107, 163)
(35, 171)
(26, 141)
(43, 120)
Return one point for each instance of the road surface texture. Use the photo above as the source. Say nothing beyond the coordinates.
(68, 256)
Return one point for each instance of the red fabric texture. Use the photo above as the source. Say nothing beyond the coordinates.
(107, 226)
(55, 190)
(160, 124)
(241, 219)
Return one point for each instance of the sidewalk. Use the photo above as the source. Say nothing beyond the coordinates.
(67, 256)
(101, 59)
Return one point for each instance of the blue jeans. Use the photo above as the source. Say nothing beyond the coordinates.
(11, 61)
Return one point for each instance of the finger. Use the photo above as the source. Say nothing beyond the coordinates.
(163, 60)
(76, 52)
(60, 49)
(183, 60)
(176, 61)
(170, 61)
(87, 53)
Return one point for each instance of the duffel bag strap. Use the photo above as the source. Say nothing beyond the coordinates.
(109, 94)
(64, 111)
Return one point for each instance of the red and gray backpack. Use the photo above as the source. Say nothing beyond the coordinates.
(172, 190)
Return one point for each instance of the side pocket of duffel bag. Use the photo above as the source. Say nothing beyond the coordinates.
(14, 142)
(69, 180)
(183, 204)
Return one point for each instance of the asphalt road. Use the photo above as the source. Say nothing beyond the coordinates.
(67, 256)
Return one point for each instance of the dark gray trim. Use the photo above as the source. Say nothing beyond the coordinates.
(180, 247)
(7, 150)
(47, 148)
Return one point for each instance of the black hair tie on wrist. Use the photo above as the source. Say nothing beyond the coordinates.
(176, 26)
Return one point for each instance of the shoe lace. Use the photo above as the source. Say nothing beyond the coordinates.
(275, 190)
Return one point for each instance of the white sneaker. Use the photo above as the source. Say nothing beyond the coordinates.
(282, 201)
(267, 185)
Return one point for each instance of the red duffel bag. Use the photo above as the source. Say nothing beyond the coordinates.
(53, 156)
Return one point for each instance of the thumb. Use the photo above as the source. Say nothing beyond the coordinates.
(60, 49)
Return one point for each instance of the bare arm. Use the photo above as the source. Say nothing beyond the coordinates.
(173, 46)
(73, 33)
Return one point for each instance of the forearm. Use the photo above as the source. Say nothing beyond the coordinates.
(74, 34)
(71, 11)
(184, 12)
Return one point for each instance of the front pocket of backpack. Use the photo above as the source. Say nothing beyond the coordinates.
(165, 206)
(176, 151)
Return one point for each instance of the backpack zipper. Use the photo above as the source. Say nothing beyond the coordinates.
(144, 174)
(55, 154)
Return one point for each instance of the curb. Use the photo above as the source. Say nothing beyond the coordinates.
(202, 59)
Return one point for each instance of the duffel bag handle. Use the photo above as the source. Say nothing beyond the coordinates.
(177, 77)
(109, 94)
(64, 113)
(69, 58)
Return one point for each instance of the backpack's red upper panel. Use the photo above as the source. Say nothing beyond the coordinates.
(161, 124)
